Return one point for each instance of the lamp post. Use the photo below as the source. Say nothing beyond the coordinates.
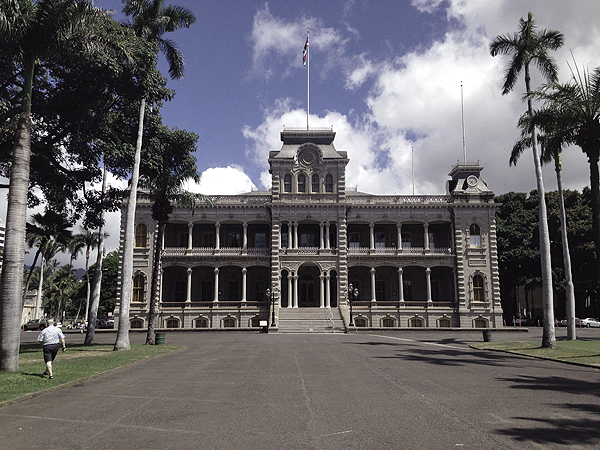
(271, 296)
(352, 292)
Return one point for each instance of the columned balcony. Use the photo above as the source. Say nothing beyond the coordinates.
(182, 252)
(394, 251)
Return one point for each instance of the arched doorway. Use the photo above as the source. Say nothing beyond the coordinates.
(308, 286)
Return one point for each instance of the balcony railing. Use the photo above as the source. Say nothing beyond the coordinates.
(397, 199)
(219, 304)
(358, 251)
(209, 251)
(398, 304)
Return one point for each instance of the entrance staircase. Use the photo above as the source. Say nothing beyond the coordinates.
(310, 320)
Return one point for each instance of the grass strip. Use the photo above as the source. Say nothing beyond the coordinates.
(581, 352)
(78, 362)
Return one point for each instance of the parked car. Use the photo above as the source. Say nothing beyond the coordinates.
(35, 324)
(110, 323)
(590, 322)
(523, 321)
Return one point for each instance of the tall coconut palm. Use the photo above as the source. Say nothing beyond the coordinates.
(87, 240)
(44, 230)
(97, 279)
(553, 154)
(530, 46)
(170, 165)
(570, 115)
(33, 32)
(150, 20)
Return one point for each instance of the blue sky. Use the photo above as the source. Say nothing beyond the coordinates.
(386, 74)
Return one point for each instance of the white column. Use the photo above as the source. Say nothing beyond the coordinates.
(322, 239)
(245, 236)
(322, 291)
(190, 235)
(289, 235)
(399, 227)
(290, 292)
(295, 224)
(426, 230)
(401, 285)
(373, 296)
(217, 236)
(428, 275)
(216, 296)
(295, 291)
(244, 271)
(372, 235)
(328, 290)
(188, 294)
(327, 231)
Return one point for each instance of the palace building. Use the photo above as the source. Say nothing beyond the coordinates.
(314, 255)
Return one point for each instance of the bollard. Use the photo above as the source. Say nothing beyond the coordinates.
(487, 335)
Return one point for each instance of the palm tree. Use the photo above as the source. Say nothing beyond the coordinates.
(525, 47)
(570, 115)
(87, 240)
(552, 154)
(46, 229)
(170, 166)
(150, 20)
(32, 32)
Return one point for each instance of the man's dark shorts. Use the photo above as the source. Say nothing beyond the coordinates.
(50, 352)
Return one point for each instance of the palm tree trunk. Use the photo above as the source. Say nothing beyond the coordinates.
(595, 197)
(38, 300)
(549, 334)
(87, 279)
(154, 284)
(26, 288)
(14, 244)
(569, 287)
(122, 342)
(97, 280)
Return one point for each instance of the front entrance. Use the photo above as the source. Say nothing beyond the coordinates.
(308, 287)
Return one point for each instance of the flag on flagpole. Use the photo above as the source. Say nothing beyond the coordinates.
(305, 52)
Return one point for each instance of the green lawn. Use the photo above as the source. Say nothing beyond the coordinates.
(584, 352)
(78, 362)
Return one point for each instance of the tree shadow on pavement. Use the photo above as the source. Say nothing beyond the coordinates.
(556, 431)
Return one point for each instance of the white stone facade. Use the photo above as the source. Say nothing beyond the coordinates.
(416, 261)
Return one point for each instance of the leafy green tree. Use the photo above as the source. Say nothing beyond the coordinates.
(529, 46)
(150, 21)
(32, 32)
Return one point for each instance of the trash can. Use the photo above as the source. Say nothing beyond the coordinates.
(159, 339)
(487, 335)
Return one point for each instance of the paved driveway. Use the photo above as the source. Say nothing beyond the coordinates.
(399, 390)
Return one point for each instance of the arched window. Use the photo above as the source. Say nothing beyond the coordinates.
(329, 183)
(255, 322)
(202, 323)
(478, 291)
(287, 183)
(315, 183)
(360, 322)
(141, 233)
(136, 323)
(444, 322)
(301, 183)
(388, 322)
(172, 323)
(416, 322)
(229, 322)
(138, 288)
(481, 323)
(474, 236)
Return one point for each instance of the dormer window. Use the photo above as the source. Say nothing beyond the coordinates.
(315, 183)
(329, 183)
(287, 183)
(301, 183)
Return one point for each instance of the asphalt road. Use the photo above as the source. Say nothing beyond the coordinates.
(398, 390)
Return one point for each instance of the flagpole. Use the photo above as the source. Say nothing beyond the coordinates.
(462, 111)
(307, 78)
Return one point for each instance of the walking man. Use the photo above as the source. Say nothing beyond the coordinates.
(50, 338)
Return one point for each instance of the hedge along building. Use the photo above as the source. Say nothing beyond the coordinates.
(289, 255)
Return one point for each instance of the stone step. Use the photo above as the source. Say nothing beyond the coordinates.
(310, 320)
